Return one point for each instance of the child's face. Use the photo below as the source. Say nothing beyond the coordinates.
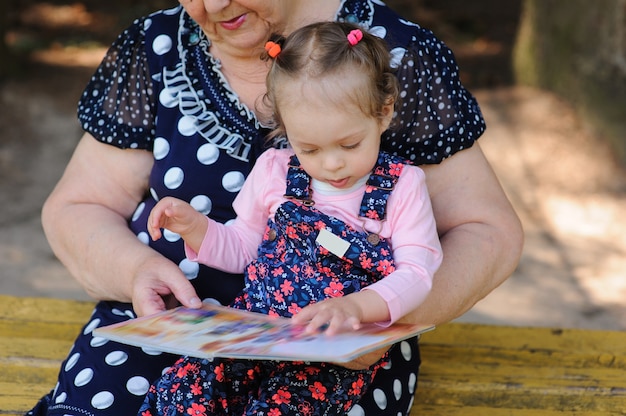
(335, 144)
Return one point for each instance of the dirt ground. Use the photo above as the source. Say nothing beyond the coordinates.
(561, 178)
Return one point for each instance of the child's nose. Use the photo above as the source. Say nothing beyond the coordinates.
(333, 163)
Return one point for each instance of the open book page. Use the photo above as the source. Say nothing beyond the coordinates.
(219, 331)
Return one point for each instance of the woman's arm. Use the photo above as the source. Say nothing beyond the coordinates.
(480, 233)
(86, 222)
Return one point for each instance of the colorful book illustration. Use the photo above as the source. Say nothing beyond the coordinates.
(219, 331)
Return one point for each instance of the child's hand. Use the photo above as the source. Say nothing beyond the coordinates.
(344, 313)
(332, 315)
(175, 215)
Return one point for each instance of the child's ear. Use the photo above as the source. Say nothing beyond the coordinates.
(387, 114)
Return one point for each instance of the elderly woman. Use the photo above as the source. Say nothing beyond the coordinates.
(174, 110)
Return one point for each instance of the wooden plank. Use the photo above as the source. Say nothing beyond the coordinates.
(529, 370)
(467, 369)
(36, 334)
(24, 309)
(445, 410)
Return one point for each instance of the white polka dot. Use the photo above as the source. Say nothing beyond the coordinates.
(84, 377)
(380, 398)
(208, 154)
(161, 148)
(118, 312)
(211, 301)
(71, 362)
(379, 31)
(98, 342)
(144, 237)
(116, 358)
(61, 398)
(357, 410)
(102, 400)
(147, 23)
(187, 126)
(412, 383)
(170, 236)
(397, 389)
(151, 351)
(139, 211)
(407, 351)
(138, 386)
(233, 181)
(410, 402)
(174, 10)
(91, 326)
(162, 44)
(167, 98)
(396, 57)
(173, 177)
(202, 204)
(189, 268)
(154, 194)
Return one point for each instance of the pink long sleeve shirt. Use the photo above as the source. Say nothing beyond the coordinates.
(409, 225)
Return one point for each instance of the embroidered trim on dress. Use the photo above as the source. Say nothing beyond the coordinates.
(191, 100)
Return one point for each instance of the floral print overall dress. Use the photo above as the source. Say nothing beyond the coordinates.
(291, 271)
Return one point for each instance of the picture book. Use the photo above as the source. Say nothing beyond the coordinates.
(219, 331)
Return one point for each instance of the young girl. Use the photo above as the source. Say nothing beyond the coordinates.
(332, 231)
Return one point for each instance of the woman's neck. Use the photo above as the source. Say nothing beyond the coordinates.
(246, 72)
(311, 12)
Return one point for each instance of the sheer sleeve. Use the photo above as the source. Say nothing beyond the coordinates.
(437, 116)
(118, 106)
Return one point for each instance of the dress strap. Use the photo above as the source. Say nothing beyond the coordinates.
(379, 186)
(298, 183)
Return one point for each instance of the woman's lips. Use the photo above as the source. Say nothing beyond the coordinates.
(234, 23)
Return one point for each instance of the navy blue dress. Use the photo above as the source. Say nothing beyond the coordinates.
(159, 89)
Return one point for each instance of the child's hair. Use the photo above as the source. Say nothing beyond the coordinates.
(321, 50)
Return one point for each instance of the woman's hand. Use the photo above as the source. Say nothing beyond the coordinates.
(159, 284)
(86, 222)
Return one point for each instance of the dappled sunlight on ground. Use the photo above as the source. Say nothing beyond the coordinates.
(571, 195)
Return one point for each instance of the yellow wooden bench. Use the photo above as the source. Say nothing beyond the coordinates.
(467, 369)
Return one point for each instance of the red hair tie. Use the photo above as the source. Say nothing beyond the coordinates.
(355, 36)
(272, 48)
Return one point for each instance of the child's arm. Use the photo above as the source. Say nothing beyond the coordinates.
(179, 217)
(227, 247)
(415, 245)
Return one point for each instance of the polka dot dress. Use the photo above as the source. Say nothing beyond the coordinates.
(160, 90)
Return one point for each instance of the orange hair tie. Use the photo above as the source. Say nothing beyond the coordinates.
(355, 36)
(272, 48)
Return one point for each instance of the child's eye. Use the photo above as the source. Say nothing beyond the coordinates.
(307, 151)
(351, 146)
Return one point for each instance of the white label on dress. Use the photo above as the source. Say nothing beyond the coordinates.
(332, 243)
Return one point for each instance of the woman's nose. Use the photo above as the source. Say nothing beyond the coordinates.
(215, 6)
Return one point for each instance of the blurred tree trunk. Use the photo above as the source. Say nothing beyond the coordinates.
(4, 49)
(577, 48)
